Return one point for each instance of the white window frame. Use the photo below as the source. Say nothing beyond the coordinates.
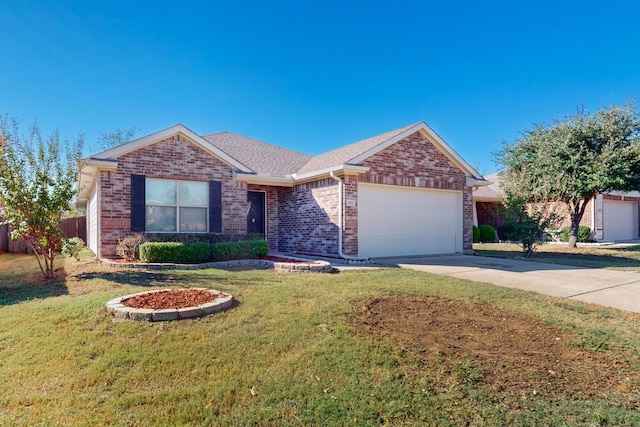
(177, 207)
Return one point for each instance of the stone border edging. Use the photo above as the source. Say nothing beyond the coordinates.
(118, 309)
(305, 267)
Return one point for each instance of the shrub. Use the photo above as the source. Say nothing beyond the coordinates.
(211, 238)
(507, 232)
(476, 234)
(175, 252)
(584, 234)
(487, 233)
(72, 247)
(129, 247)
(528, 223)
(239, 250)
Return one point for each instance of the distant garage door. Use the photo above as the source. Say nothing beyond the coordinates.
(398, 221)
(620, 220)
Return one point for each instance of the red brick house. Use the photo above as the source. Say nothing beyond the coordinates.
(405, 192)
(610, 216)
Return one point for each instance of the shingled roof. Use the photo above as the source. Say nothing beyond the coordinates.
(491, 192)
(344, 154)
(262, 158)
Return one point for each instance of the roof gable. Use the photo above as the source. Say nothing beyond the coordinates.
(344, 154)
(356, 153)
(120, 150)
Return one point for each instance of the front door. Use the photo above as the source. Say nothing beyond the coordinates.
(255, 218)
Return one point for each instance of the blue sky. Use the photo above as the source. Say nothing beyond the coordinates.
(316, 75)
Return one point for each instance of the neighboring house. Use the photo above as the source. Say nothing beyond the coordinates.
(405, 192)
(611, 216)
(487, 202)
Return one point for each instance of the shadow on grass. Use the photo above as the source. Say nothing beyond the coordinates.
(34, 289)
(136, 277)
(170, 278)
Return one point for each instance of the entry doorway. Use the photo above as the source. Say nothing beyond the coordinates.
(257, 209)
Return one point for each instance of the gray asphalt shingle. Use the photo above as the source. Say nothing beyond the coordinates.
(261, 157)
(272, 160)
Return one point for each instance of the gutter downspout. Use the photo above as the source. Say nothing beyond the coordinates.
(341, 221)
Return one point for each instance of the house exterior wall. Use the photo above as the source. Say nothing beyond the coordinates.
(416, 162)
(308, 218)
(564, 215)
(172, 158)
(489, 214)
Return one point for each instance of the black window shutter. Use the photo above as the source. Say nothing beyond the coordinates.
(215, 206)
(138, 211)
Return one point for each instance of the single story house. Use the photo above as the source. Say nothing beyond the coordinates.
(405, 192)
(611, 216)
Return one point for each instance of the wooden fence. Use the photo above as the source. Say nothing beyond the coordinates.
(71, 227)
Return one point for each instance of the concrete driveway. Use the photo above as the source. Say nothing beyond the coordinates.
(611, 288)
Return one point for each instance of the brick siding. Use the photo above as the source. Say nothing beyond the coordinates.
(308, 218)
(173, 158)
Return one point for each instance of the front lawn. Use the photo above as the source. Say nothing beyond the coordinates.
(617, 258)
(351, 348)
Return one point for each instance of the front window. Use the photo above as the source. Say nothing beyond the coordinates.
(176, 206)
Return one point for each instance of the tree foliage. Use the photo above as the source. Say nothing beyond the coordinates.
(528, 223)
(573, 159)
(37, 185)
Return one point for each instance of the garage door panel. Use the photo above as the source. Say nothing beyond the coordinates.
(408, 221)
(620, 220)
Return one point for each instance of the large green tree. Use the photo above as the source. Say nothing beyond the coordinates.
(573, 159)
(37, 186)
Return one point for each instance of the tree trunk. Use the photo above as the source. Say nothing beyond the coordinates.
(575, 226)
(577, 211)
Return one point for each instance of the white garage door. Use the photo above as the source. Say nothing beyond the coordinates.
(396, 221)
(620, 220)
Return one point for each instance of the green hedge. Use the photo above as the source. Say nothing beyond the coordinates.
(584, 234)
(239, 250)
(182, 253)
(487, 233)
(185, 253)
(210, 238)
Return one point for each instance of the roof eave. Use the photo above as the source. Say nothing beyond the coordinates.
(343, 169)
(89, 171)
(167, 133)
(290, 181)
(474, 182)
(253, 178)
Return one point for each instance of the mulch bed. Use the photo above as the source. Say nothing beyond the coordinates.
(174, 298)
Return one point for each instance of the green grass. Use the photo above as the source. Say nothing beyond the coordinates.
(615, 258)
(65, 361)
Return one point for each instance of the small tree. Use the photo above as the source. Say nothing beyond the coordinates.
(108, 140)
(572, 160)
(37, 185)
(529, 223)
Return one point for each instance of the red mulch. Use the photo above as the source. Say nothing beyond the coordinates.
(174, 298)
